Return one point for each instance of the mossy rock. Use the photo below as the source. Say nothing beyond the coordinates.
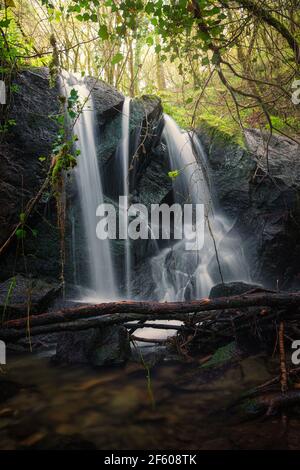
(223, 355)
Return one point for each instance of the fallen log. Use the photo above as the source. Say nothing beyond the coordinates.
(14, 334)
(125, 311)
(265, 299)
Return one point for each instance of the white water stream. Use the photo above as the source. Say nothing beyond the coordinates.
(101, 281)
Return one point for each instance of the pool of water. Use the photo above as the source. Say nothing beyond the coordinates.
(78, 407)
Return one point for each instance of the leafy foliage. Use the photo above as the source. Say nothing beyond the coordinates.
(63, 156)
(247, 54)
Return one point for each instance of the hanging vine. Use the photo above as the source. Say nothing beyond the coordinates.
(64, 159)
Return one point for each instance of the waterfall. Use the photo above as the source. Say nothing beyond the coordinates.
(180, 274)
(101, 282)
(123, 160)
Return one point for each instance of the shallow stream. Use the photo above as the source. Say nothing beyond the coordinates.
(182, 406)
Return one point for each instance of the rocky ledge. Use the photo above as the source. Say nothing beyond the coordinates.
(261, 195)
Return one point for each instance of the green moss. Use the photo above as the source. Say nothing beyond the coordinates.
(178, 113)
(222, 355)
(284, 125)
(220, 137)
(226, 127)
(183, 113)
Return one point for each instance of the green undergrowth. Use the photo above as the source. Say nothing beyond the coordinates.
(213, 112)
(182, 111)
(222, 355)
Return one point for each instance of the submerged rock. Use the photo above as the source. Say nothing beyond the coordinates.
(106, 346)
(19, 294)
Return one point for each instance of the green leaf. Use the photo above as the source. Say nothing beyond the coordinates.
(215, 31)
(150, 41)
(150, 7)
(20, 233)
(204, 36)
(5, 23)
(103, 33)
(189, 100)
(42, 158)
(173, 174)
(117, 58)
(72, 114)
(22, 217)
(205, 61)
(212, 12)
(73, 94)
(158, 48)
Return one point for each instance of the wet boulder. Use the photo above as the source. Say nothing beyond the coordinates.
(231, 288)
(106, 346)
(107, 100)
(19, 294)
(145, 126)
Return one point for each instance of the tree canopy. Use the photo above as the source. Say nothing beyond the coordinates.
(233, 64)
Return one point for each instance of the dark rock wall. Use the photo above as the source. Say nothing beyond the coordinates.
(22, 174)
(264, 204)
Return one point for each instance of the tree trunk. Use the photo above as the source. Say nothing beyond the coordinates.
(120, 312)
(161, 81)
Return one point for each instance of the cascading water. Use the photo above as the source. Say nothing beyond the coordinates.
(180, 274)
(123, 158)
(101, 282)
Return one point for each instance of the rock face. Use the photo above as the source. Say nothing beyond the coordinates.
(262, 199)
(22, 174)
(145, 127)
(18, 294)
(231, 288)
(107, 100)
(97, 346)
